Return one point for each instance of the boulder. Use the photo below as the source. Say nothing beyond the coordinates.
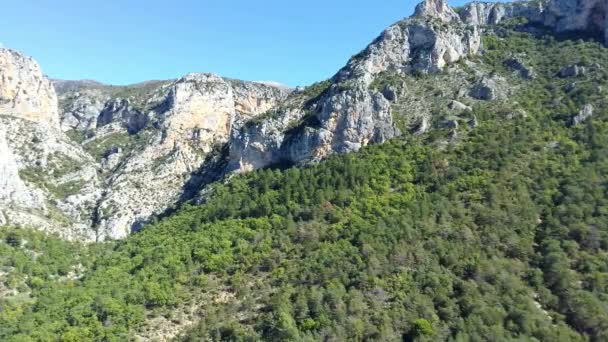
(520, 68)
(390, 93)
(459, 106)
(585, 113)
(571, 71)
(489, 89)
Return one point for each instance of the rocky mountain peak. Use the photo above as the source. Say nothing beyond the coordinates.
(436, 9)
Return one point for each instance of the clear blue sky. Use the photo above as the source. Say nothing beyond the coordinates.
(128, 41)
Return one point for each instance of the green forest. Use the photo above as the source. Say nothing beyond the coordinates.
(499, 236)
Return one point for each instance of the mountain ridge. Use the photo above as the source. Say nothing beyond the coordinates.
(150, 140)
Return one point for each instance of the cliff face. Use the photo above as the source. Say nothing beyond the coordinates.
(129, 153)
(198, 114)
(24, 92)
(348, 114)
(46, 181)
(581, 15)
(586, 16)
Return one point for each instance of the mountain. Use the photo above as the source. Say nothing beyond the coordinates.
(156, 144)
(448, 183)
(110, 157)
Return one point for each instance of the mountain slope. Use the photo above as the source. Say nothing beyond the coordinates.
(109, 158)
(491, 226)
(157, 144)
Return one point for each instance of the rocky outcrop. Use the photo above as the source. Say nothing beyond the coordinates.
(586, 16)
(24, 91)
(488, 13)
(349, 115)
(436, 9)
(571, 71)
(519, 68)
(589, 16)
(489, 89)
(46, 182)
(13, 189)
(583, 115)
(459, 106)
(198, 114)
(151, 137)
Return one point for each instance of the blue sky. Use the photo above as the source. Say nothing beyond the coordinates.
(128, 41)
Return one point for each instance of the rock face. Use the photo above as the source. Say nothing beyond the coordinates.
(438, 9)
(579, 15)
(24, 91)
(487, 13)
(348, 115)
(586, 16)
(197, 114)
(140, 145)
(12, 188)
(45, 181)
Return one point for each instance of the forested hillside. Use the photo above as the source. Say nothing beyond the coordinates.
(491, 231)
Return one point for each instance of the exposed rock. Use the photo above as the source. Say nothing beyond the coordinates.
(487, 13)
(120, 110)
(516, 114)
(570, 87)
(489, 89)
(589, 16)
(572, 71)
(199, 112)
(449, 123)
(12, 188)
(45, 181)
(520, 68)
(586, 16)
(473, 123)
(422, 126)
(24, 91)
(436, 9)
(390, 93)
(349, 115)
(459, 106)
(583, 115)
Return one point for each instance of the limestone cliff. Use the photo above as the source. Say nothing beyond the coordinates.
(149, 138)
(349, 114)
(46, 181)
(24, 91)
(586, 16)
